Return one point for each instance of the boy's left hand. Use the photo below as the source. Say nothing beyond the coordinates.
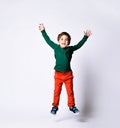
(87, 33)
(41, 27)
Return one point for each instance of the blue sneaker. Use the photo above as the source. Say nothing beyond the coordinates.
(54, 110)
(74, 109)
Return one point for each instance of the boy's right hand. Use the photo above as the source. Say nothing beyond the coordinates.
(41, 27)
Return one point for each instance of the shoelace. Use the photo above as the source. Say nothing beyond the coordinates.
(74, 108)
(54, 108)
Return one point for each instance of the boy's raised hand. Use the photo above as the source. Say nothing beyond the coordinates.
(41, 27)
(87, 33)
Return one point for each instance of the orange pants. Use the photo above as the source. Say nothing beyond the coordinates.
(67, 79)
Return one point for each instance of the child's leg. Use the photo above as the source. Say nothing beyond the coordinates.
(57, 92)
(70, 92)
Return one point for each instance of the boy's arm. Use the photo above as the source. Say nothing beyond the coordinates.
(87, 33)
(46, 37)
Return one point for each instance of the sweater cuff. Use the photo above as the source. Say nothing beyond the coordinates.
(86, 36)
(43, 31)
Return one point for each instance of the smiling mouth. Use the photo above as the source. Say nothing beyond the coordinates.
(63, 44)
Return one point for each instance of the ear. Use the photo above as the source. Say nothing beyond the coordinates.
(68, 43)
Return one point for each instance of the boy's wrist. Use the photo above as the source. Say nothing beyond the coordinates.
(86, 36)
(42, 30)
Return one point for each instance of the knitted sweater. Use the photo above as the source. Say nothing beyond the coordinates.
(63, 56)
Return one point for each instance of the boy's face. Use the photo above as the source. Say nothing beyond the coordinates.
(63, 41)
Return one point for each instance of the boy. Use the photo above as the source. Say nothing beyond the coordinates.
(63, 73)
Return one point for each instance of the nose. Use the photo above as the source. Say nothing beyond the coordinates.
(64, 41)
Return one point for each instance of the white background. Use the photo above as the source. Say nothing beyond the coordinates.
(26, 63)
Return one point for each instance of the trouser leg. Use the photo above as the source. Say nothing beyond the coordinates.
(70, 92)
(57, 91)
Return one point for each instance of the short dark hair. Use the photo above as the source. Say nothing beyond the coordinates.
(64, 33)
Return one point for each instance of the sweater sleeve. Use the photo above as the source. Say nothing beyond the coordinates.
(48, 40)
(80, 43)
